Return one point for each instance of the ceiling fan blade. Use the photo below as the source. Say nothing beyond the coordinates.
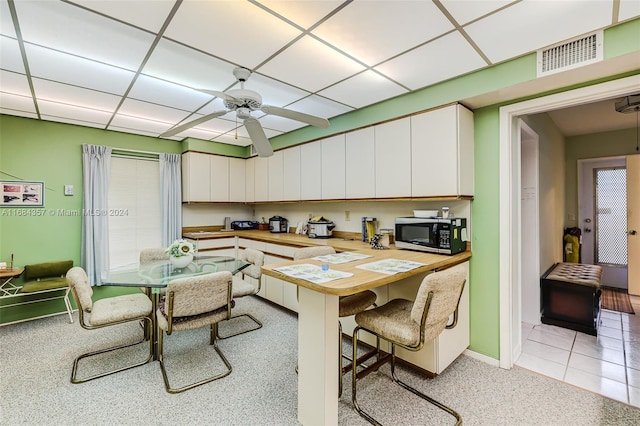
(295, 115)
(222, 96)
(259, 139)
(190, 124)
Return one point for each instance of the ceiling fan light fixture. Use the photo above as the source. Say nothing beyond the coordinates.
(628, 104)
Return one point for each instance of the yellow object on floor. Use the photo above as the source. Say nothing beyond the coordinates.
(571, 249)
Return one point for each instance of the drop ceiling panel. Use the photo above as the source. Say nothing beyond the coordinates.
(17, 102)
(322, 107)
(125, 121)
(375, 31)
(531, 25)
(6, 23)
(169, 94)
(183, 65)
(18, 113)
(629, 9)
(72, 95)
(64, 68)
(83, 33)
(281, 124)
(15, 83)
(442, 59)
(466, 11)
(363, 89)
(299, 65)
(73, 112)
(213, 26)
(150, 111)
(303, 13)
(68, 120)
(10, 56)
(147, 14)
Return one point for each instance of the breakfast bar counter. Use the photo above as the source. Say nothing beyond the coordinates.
(318, 339)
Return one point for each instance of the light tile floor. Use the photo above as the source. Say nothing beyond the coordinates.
(608, 365)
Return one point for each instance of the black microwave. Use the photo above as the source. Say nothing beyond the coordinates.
(434, 235)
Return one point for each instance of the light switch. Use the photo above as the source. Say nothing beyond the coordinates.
(68, 190)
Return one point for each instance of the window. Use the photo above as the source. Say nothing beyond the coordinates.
(134, 208)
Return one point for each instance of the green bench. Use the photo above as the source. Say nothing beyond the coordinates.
(48, 277)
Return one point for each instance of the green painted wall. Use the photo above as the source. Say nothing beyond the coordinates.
(51, 152)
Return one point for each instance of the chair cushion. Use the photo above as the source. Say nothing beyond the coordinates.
(46, 284)
(120, 308)
(243, 287)
(352, 304)
(393, 321)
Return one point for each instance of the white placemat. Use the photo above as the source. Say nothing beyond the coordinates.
(390, 266)
(343, 257)
(312, 273)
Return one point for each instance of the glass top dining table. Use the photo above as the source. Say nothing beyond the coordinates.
(157, 274)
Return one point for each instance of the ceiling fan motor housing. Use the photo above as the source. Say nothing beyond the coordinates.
(249, 98)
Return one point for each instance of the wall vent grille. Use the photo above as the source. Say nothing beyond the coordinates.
(571, 54)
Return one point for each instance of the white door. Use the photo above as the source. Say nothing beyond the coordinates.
(602, 216)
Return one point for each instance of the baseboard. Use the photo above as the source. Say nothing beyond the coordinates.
(484, 358)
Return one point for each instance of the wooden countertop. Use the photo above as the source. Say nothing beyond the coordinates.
(287, 239)
(365, 280)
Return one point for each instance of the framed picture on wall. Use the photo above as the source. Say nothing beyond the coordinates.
(21, 193)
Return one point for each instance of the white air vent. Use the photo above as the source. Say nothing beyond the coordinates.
(571, 54)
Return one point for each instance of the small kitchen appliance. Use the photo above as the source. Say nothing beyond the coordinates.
(319, 227)
(435, 235)
(278, 224)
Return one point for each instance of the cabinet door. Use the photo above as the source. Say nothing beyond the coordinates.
(261, 179)
(195, 177)
(332, 167)
(310, 183)
(249, 188)
(434, 146)
(393, 158)
(275, 173)
(219, 176)
(360, 175)
(291, 174)
(237, 177)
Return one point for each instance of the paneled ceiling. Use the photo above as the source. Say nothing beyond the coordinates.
(139, 66)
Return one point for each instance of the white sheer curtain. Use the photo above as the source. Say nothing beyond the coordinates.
(171, 197)
(94, 256)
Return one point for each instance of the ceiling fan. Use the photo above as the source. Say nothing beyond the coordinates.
(243, 102)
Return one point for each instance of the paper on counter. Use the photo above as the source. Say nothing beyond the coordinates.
(312, 273)
(390, 266)
(343, 257)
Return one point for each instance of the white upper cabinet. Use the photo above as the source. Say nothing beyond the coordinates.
(276, 180)
(237, 178)
(219, 176)
(249, 188)
(333, 167)
(442, 152)
(360, 172)
(393, 158)
(195, 177)
(261, 179)
(291, 174)
(310, 171)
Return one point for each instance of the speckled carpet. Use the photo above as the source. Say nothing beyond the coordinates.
(36, 359)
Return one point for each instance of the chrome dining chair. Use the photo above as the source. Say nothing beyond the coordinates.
(347, 306)
(106, 312)
(409, 325)
(190, 303)
(247, 283)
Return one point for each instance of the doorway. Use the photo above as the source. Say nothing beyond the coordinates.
(510, 217)
(602, 217)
